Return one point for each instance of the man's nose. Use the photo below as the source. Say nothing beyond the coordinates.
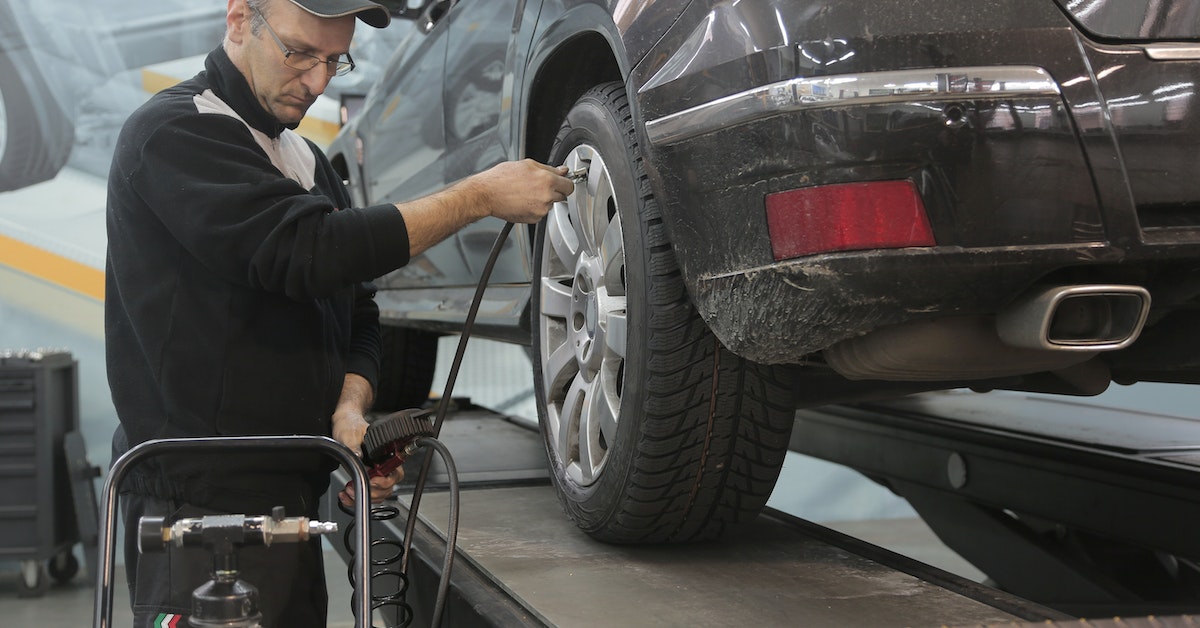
(316, 79)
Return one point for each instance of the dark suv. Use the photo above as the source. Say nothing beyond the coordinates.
(789, 203)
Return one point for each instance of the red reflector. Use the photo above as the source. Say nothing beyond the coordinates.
(847, 217)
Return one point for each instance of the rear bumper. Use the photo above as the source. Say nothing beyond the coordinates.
(786, 311)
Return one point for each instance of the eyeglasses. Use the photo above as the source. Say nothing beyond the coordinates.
(305, 62)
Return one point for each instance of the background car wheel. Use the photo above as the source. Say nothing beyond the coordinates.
(36, 137)
(407, 361)
(655, 432)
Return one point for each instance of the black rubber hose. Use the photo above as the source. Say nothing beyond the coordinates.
(451, 527)
(443, 406)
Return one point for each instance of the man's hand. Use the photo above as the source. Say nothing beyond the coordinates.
(349, 428)
(381, 488)
(523, 191)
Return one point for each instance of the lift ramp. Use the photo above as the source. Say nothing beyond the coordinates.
(1088, 508)
(521, 562)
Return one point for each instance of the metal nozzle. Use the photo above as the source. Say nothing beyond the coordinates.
(316, 528)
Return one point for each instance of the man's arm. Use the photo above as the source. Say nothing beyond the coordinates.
(349, 428)
(514, 191)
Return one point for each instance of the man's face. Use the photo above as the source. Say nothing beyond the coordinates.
(285, 92)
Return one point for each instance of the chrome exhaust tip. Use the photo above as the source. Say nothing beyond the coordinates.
(1075, 318)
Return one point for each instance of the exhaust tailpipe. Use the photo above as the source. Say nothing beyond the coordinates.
(1075, 318)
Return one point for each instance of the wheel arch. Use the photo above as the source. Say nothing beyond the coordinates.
(564, 73)
(561, 73)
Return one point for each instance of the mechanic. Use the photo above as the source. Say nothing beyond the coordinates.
(238, 299)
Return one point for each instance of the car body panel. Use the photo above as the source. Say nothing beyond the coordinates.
(479, 130)
(1136, 20)
(405, 110)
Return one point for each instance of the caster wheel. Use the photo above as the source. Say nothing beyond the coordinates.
(63, 567)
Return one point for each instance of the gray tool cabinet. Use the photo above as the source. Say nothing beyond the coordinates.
(39, 415)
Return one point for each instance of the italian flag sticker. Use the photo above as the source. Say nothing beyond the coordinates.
(165, 620)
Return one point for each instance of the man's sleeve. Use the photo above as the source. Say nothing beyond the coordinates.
(365, 336)
(221, 197)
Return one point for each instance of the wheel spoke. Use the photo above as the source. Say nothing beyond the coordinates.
(600, 194)
(561, 233)
(559, 367)
(616, 329)
(586, 215)
(556, 298)
(612, 255)
(605, 404)
(569, 423)
(596, 418)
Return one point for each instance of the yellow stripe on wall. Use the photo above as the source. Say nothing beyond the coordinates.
(154, 82)
(319, 131)
(53, 268)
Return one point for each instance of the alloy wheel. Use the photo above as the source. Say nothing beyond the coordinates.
(583, 320)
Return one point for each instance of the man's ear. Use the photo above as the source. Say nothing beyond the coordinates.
(237, 20)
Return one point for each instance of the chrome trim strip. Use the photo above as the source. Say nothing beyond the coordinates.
(851, 89)
(1172, 52)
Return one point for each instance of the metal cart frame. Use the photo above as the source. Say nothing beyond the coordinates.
(361, 603)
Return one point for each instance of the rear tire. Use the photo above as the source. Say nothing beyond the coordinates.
(655, 432)
(36, 136)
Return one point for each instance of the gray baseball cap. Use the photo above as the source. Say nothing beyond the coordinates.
(369, 12)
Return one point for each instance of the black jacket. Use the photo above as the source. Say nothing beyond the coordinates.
(236, 295)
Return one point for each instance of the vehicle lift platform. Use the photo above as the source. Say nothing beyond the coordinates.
(521, 562)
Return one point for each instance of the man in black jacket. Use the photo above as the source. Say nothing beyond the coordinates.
(238, 298)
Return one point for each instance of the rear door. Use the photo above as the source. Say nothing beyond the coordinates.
(478, 100)
(1144, 63)
(403, 145)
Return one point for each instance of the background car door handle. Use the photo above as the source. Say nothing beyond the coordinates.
(434, 12)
